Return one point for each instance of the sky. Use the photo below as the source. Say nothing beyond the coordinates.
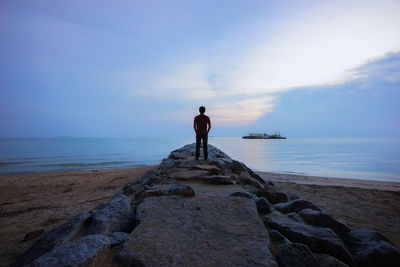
(142, 68)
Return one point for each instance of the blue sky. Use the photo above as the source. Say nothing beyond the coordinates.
(142, 68)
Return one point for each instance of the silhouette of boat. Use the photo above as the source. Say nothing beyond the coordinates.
(264, 136)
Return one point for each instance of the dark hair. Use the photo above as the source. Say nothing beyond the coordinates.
(202, 109)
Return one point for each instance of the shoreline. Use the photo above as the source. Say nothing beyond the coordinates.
(41, 201)
(360, 203)
(330, 181)
(289, 177)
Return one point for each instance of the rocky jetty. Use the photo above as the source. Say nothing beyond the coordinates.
(207, 213)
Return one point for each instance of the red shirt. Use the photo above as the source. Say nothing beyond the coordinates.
(200, 123)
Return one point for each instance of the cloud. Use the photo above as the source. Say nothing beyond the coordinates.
(321, 46)
(318, 45)
(241, 112)
(187, 80)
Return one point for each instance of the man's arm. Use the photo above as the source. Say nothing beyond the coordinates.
(209, 125)
(194, 126)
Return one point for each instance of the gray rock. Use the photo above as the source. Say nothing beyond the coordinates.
(370, 248)
(150, 177)
(296, 206)
(250, 188)
(222, 165)
(322, 218)
(295, 255)
(263, 206)
(295, 217)
(326, 260)
(118, 237)
(245, 178)
(178, 155)
(126, 258)
(278, 188)
(170, 181)
(115, 215)
(212, 231)
(318, 239)
(218, 179)
(166, 164)
(277, 237)
(53, 238)
(212, 169)
(129, 188)
(181, 190)
(241, 194)
(237, 167)
(272, 195)
(189, 175)
(254, 175)
(87, 251)
(153, 193)
(214, 152)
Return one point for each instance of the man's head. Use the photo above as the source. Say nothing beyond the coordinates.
(202, 110)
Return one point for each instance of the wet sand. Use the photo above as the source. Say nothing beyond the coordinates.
(41, 201)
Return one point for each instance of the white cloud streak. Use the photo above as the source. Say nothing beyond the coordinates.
(323, 45)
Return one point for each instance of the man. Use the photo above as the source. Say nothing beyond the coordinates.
(202, 126)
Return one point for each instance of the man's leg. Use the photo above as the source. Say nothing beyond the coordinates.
(198, 141)
(205, 147)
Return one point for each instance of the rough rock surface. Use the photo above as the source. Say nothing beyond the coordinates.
(87, 251)
(296, 255)
(195, 232)
(295, 206)
(181, 190)
(214, 212)
(318, 239)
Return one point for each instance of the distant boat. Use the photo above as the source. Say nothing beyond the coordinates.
(264, 136)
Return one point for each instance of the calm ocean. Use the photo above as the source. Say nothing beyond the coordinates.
(357, 158)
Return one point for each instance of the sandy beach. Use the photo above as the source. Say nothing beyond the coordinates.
(40, 201)
(360, 203)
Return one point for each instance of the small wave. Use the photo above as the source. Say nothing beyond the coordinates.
(7, 163)
(76, 164)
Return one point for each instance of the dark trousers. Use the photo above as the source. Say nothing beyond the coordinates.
(199, 137)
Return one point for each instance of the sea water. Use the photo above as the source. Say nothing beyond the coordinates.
(356, 158)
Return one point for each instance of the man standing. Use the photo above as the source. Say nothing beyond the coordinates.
(202, 126)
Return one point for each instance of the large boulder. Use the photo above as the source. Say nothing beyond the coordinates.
(296, 255)
(189, 175)
(212, 169)
(87, 251)
(181, 190)
(295, 206)
(263, 206)
(318, 239)
(218, 179)
(326, 260)
(272, 195)
(212, 231)
(241, 194)
(322, 218)
(54, 237)
(370, 248)
(149, 177)
(115, 215)
(245, 178)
